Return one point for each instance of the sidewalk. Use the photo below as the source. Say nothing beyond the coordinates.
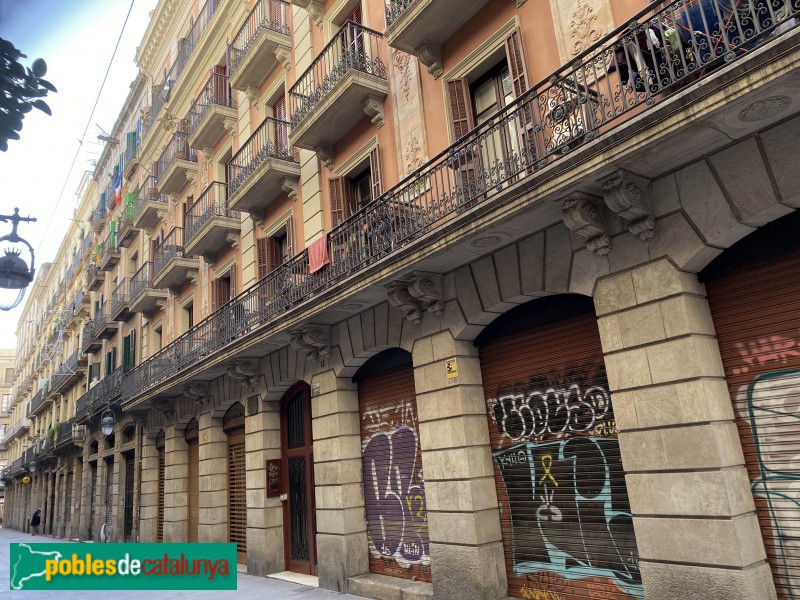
(250, 586)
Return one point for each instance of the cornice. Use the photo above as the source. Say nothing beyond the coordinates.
(161, 21)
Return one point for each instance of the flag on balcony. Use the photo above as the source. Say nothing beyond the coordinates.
(118, 189)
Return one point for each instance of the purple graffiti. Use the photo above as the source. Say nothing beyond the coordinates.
(397, 521)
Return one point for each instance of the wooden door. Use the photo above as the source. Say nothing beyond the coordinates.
(193, 481)
(297, 451)
(160, 445)
(233, 424)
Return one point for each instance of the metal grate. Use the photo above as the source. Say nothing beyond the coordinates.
(237, 493)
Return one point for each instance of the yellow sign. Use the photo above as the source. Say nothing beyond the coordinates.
(26, 479)
(451, 368)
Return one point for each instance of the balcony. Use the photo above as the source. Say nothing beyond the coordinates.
(104, 326)
(131, 154)
(100, 395)
(64, 436)
(79, 308)
(211, 113)
(91, 343)
(262, 42)
(176, 164)
(111, 195)
(120, 301)
(345, 82)
(94, 277)
(100, 213)
(87, 244)
(171, 264)
(420, 27)
(210, 224)
(149, 204)
(263, 168)
(38, 401)
(110, 254)
(145, 297)
(127, 230)
(69, 371)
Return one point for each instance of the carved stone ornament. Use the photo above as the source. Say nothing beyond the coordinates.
(373, 108)
(191, 275)
(252, 94)
(430, 55)
(245, 371)
(290, 185)
(628, 195)
(314, 340)
(583, 28)
(198, 392)
(257, 215)
(401, 61)
(586, 215)
(325, 153)
(209, 258)
(315, 9)
(418, 292)
(233, 239)
(284, 56)
(229, 123)
(165, 407)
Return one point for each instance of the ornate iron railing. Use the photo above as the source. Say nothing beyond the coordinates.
(110, 246)
(578, 103)
(270, 140)
(353, 48)
(213, 202)
(104, 392)
(395, 8)
(266, 14)
(88, 243)
(148, 192)
(177, 148)
(87, 335)
(100, 212)
(171, 247)
(120, 296)
(141, 280)
(38, 400)
(64, 433)
(102, 316)
(217, 90)
(111, 196)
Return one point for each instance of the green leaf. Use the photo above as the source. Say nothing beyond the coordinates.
(42, 106)
(39, 67)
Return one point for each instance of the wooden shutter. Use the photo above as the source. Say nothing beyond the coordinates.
(274, 258)
(516, 62)
(220, 293)
(261, 251)
(281, 130)
(126, 350)
(375, 172)
(337, 200)
(462, 119)
(132, 356)
(290, 237)
(233, 282)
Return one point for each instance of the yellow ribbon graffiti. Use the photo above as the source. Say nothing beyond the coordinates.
(547, 462)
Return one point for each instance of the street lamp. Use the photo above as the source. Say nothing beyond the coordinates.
(15, 275)
(32, 466)
(107, 422)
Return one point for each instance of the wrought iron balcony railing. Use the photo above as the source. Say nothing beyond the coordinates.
(354, 48)
(395, 8)
(141, 280)
(148, 192)
(213, 202)
(111, 196)
(100, 212)
(270, 140)
(104, 392)
(110, 249)
(88, 243)
(266, 15)
(177, 149)
(580, 102)
(171, 247)
(120, 297)
(66, 370)
(216, 91)
(102, 317)
(64, 433)
(37, 401)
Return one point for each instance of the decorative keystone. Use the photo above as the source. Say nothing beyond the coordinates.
(586, 215)
(314, 340)
(418, 292)
(245, 371)
(628, 195)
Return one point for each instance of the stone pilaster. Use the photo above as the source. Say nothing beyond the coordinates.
(694, 515)
(264, 515)
(148, 513)
(465, 539)
(175, 479)
(213, 484)
(341, 526)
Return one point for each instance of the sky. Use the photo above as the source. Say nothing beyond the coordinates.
(76, 38)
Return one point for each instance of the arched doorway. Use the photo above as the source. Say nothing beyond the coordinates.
(297, 453)
(565, 518)
(192, 436)
(233, 426)
(394, 490)
(754, 295)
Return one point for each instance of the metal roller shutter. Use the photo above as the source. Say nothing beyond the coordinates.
(92, 499)
(193, 481)
(162, 463)
(237, 494)
(394, 491)
(109, 501)
(565, 518)
(756, 313)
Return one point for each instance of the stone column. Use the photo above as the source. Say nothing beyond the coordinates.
(466, 543)
(175, 480)
(148, 512)
(213, 454)
(341, 526)
(264, 515)
(694, 516)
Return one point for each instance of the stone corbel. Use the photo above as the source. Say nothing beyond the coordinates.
(284, 56)
(586, 215)
(229, 124)
(161, 303)
(314, 340)
(243, 370)
(315, 9)
(430, 55)
(165, 407)
(191, 176)
(175, 198)
(196, 392)
(252, 94)
(257, 216)
(290, 185)
(628, 195)
(191, 275)
(373, 108)
(325, 153)
(419, 292)
(209, 259)
(233, 239)
(208, 153)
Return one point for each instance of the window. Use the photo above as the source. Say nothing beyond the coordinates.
(133, 264)
(6, 403)
(353, 191)
(129, 351)
(275, 249)
(223, 288)
(111, 361)
(156, 338)
(9, 376)
(187, 317)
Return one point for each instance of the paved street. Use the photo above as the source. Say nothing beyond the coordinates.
(250, 587)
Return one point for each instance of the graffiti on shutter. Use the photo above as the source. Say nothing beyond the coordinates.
(565, 518)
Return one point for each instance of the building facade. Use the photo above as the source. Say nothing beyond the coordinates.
(436, 299)
(7, 373)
